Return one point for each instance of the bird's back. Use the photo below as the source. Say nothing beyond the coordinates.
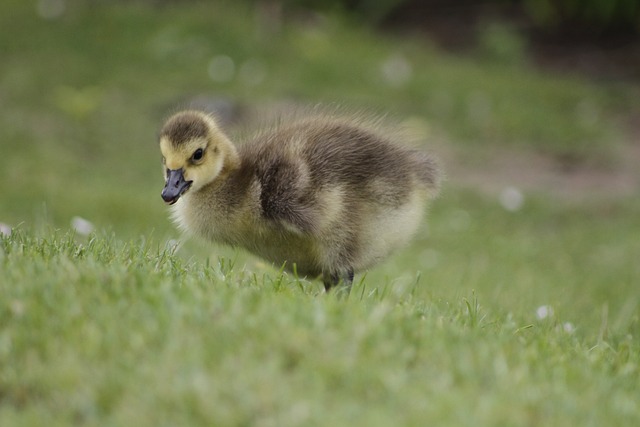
(353, 155)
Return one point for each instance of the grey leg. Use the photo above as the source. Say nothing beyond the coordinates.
(344, 278)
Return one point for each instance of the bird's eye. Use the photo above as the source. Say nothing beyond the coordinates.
(197, 155)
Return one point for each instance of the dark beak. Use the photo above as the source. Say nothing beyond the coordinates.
(175, 186)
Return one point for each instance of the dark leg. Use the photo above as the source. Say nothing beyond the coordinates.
(332, 280)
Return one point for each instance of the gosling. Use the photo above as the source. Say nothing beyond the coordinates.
(324, 196)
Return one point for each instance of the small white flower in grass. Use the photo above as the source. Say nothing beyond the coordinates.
(253, 72)
(568, 327)
(81, 225)
(5, 229)
(221, 69)
(544, 311)
(17, 308)
(396, 70)
(459, 220)
(511, 199)
(51, 9)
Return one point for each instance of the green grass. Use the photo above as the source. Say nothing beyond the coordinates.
(116, 329)
(96, 331)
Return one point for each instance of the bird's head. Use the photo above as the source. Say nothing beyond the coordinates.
(194, 153)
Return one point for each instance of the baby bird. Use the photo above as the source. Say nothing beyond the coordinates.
(323, 195)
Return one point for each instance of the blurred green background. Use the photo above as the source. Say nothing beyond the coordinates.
(529, 257)
(85, 84)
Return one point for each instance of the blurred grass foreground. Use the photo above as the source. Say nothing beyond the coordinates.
(517, 303)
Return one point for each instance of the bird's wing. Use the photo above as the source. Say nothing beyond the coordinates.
(285, 196)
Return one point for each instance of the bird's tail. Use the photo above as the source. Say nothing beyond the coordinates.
(429, 171)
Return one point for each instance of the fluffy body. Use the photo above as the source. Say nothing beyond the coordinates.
(328, 195)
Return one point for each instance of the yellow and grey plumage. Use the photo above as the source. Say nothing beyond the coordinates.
(331, 195)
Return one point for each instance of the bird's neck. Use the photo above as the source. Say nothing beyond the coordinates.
(228, 198)
(231, 157)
